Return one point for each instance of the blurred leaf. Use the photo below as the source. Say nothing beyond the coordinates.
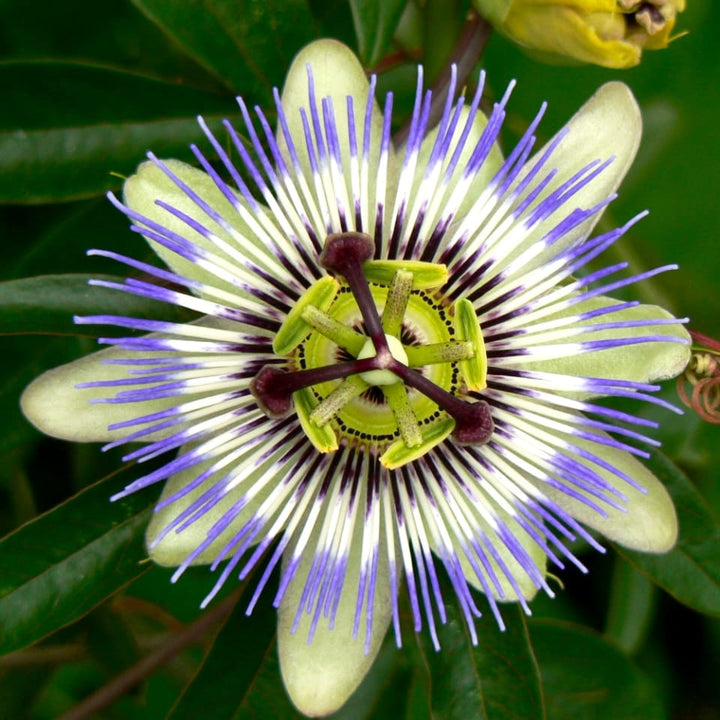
(20, 686)
(691, 571)
(247, 44)
(59, 566)
(257, 691)
(631, 607)
(46, 304)
(110, 639)
(333, 18)
(585, 677)
(64, 127)
(59, 236)
(375, 22)
(210, 694)
(497, 679)
(114, 33)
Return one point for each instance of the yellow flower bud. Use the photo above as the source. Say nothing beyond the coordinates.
(612, 33)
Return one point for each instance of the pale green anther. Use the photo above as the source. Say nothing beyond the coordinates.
(425, 275)
(397, 398)
(399, 454)
(330, 406)
(436, 353)
(396, 303)
(294, 330)
(467, 328)
(323, 438)
(342, 335)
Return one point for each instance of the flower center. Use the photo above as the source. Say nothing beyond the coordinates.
(383, 377)
(376, 356)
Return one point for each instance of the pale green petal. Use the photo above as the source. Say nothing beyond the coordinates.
(174, 547)
(54, 404)
(482, 178)
(150, 184)
(528, 589)
(607, 125)
(321, 676)
(643, 362)
(650, 523)
(56, 407)
(337, 74)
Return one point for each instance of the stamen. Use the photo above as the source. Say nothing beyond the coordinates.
(396, 303)
(344, 254)
(473, 421)
(397, 398)
(346, 391)
(342, 335)
(273, 387)
(381, 360)
(436, 353)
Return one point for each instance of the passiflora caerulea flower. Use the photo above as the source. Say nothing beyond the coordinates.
(395, 366)
(612, 33)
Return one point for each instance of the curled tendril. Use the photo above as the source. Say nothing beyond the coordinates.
(699, 386)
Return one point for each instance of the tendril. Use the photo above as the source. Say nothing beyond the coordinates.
(699, 386)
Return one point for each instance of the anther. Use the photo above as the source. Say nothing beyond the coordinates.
(344, 254)
(473, 420)
(273, 387)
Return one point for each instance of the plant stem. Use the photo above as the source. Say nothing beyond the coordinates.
(126, 680)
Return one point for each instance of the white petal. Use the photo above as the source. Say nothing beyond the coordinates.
(54, 404)
(337, 74)
(443, 197)
(523, 582)
(339, 186)
(150, 185)
(321, 675)
(608, 125)
(650, 523)
(175, 547)
(643, 362)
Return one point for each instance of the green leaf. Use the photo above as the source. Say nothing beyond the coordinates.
(256, 689)
(210, 694)
(497, 679)
(247, 44)
(691, 571)
(64, 127)
(57, 237)
(46, 304)
(24, 358)
(375, 22)
(585, 677)
(59, 566)
(20, 687)
(631, 608)
(333, 18)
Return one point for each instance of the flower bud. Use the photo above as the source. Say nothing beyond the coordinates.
(612, 33)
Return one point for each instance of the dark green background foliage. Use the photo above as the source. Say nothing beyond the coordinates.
(87, 88)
